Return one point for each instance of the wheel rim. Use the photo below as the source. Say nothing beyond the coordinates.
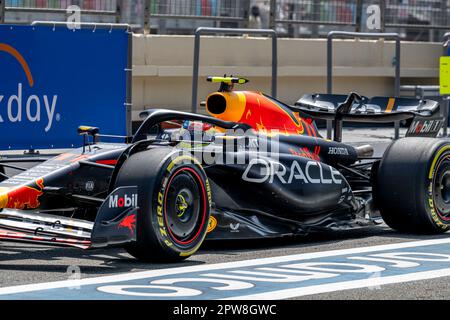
(185, 206)
(445, 187)
(441, 188)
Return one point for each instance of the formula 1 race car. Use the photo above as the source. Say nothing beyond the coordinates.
(253, 168)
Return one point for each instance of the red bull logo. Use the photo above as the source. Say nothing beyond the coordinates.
(23, 197)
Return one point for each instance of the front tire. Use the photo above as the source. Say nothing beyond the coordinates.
(174, 204)
(412, 188)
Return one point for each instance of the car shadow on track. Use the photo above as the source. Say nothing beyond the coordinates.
(316, 238)
(58, 259)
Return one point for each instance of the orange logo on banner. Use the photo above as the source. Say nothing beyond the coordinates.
(8, 49)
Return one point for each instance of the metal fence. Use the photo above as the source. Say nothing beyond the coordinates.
(193, 9)
(26, 11)
(413, 19)
(418, 20)
(337, 12)
(417, 14)
(315, 18)
(183, 16)
(94, 5)
(424, 20)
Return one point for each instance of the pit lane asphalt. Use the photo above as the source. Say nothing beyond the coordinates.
(29, 264)
(22, 263)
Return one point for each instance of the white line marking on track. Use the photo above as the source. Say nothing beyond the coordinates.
(210, 267)
(346, 285)
(105, 256)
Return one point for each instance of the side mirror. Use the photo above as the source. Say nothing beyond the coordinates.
(87, 130)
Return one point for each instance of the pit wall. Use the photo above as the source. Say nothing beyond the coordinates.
(162, 67)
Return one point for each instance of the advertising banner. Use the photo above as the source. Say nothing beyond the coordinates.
(53, 79)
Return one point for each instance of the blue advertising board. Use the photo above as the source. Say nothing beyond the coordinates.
(53, 79)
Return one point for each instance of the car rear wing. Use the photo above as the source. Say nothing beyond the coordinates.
(425, 114)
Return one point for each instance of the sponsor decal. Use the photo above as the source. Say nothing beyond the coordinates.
(89, 186)
(23, 197)
(24, 105)
(235, 227)
(129, 222)
(338, 151)
(311, 172)
(125, 201)
(208, 192)
(160, 218)
(212, 224)
(418, 127)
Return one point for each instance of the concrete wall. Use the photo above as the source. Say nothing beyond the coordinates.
(162, 70)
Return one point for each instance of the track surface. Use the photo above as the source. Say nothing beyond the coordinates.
(22, 264)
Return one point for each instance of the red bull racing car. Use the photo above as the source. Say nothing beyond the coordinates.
(253, 168)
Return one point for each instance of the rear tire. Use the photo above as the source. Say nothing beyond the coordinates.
(174, 204)
(412, 189)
